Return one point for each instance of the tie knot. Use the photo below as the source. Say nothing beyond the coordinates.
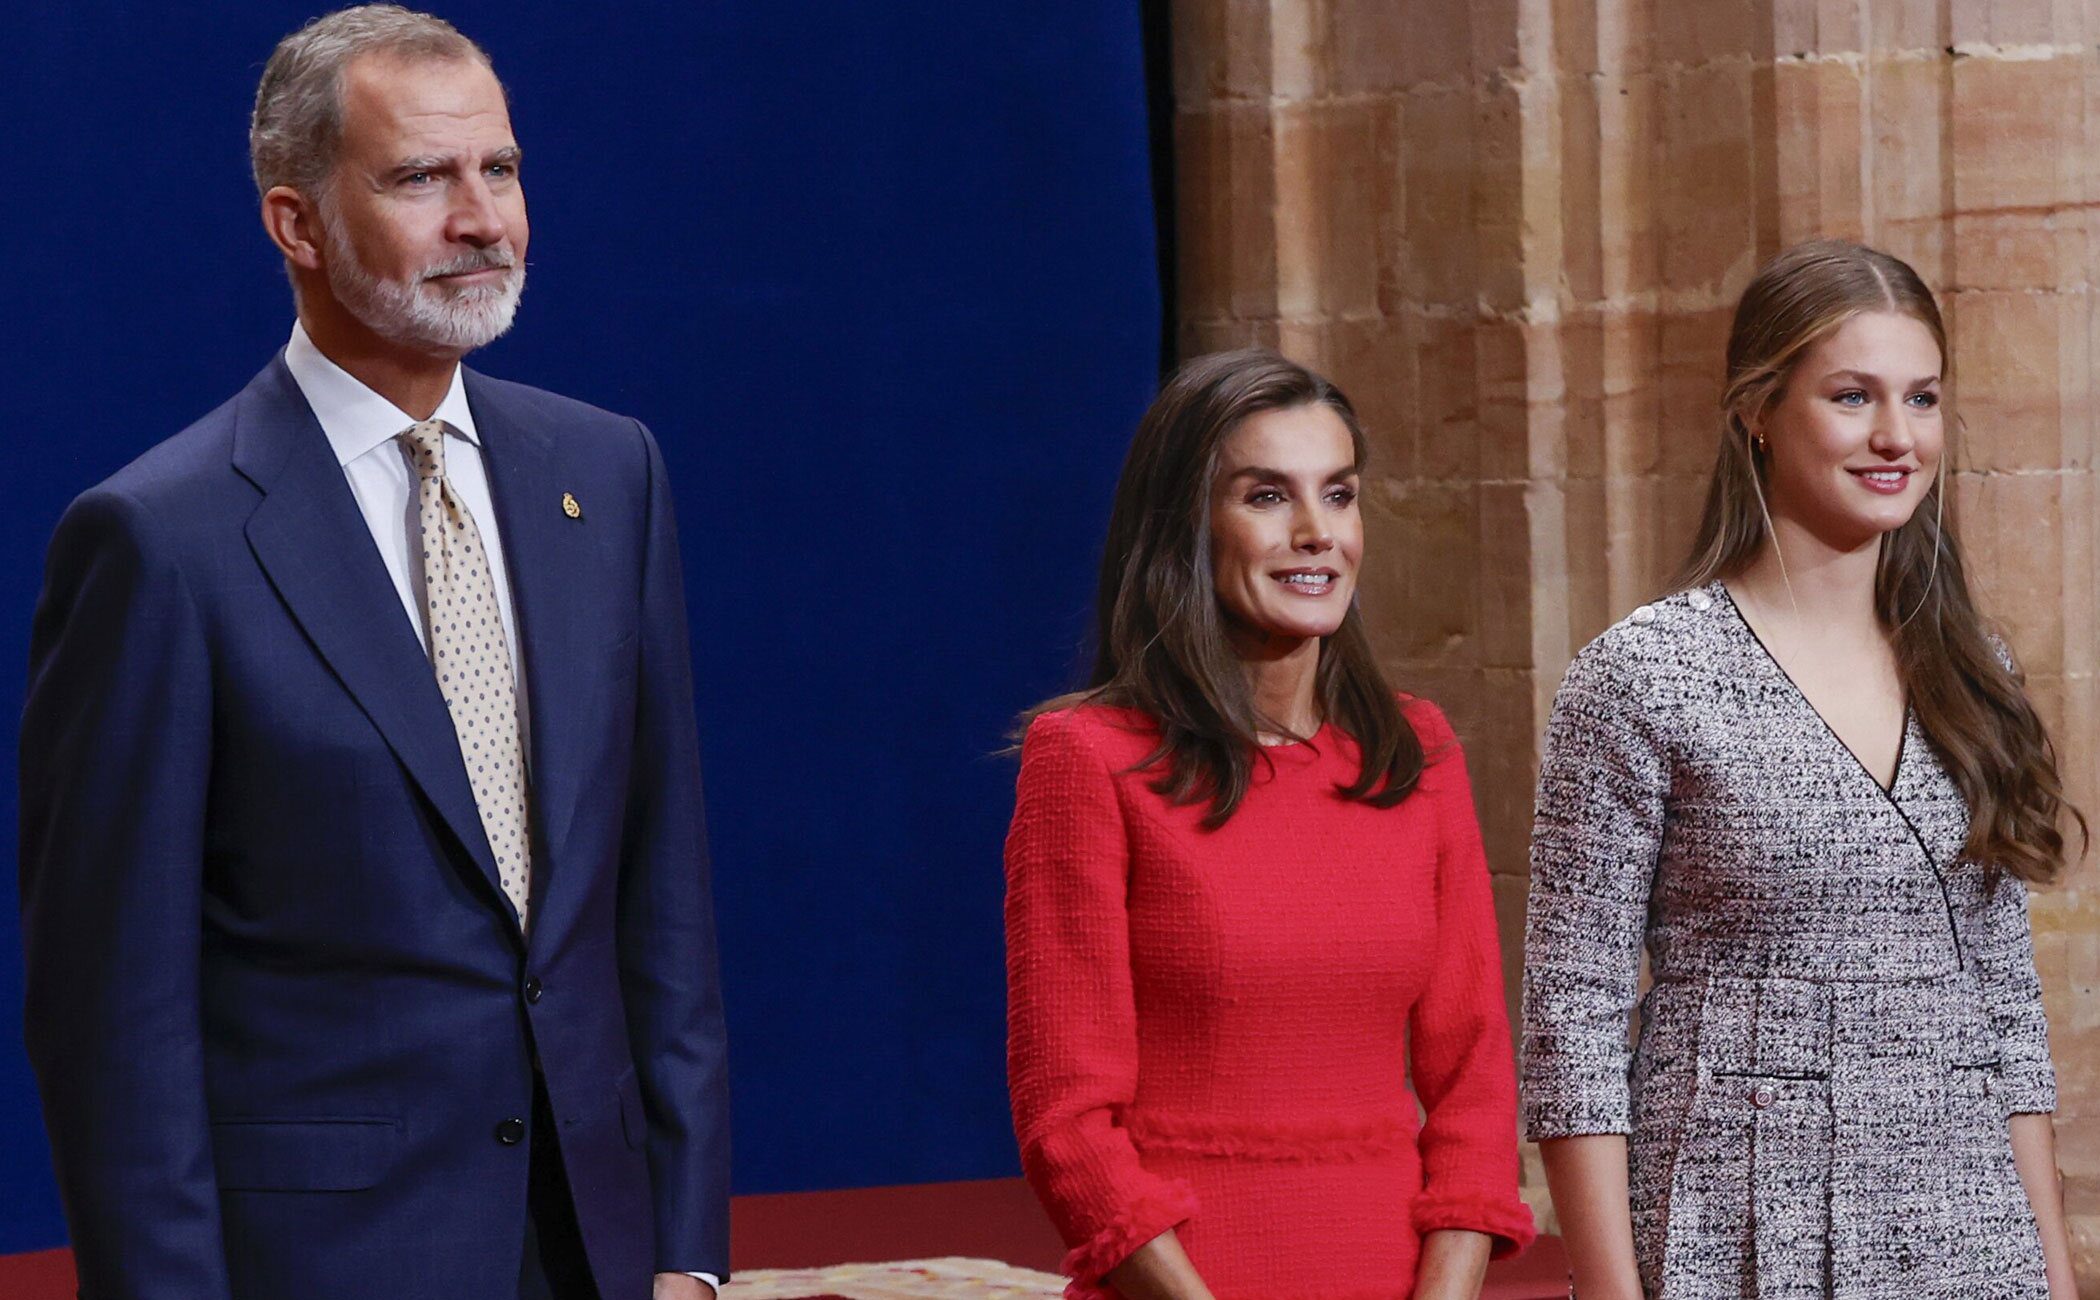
(425, 441)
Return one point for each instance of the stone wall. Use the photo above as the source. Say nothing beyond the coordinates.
(1513, 231)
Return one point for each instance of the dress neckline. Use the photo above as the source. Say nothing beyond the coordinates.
(1268, 747)
(1720, 591)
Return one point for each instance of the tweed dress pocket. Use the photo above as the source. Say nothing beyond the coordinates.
(1746, 1207)
(1749, 1191)
(1790, 1135)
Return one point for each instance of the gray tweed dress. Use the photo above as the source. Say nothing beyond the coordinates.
(1843, 1011)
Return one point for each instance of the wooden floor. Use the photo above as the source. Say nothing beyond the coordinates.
(998, 1219)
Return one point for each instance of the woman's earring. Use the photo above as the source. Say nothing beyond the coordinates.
(1759, 439)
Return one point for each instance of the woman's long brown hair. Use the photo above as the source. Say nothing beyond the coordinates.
(1162, 647)
(1968, 699)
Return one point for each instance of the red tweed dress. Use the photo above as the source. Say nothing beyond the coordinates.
(1227, 1032)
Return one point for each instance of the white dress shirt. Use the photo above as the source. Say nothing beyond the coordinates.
(364, 428)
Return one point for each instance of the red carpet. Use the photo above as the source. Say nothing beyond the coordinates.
(998, 1219)
(43, 1275)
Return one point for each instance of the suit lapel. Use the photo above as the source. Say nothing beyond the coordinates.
(313, 543)
(553, 583)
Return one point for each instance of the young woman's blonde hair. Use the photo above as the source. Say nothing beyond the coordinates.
(1962, 686)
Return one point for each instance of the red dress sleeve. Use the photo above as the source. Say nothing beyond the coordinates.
(1460, 1058)
(1071, 1016)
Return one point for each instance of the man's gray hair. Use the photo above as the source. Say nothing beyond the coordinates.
(298, 122)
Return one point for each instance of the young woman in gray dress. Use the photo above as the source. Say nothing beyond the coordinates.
(1809, 784)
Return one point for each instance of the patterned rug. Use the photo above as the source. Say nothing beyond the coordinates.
(916, 1279)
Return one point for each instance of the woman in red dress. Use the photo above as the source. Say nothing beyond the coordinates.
(1257, 1039)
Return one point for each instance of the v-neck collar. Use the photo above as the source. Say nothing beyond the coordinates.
(1720, 591)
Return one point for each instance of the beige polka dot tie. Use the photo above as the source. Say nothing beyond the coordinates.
(471, 656)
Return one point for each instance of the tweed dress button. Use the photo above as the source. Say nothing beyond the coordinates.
(1643, 616)
(1761, 1098)
(1699, 601)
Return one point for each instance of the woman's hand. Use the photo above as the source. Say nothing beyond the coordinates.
(1159, 1270)
(1452, 1266)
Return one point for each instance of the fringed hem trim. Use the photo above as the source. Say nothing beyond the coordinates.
(1504, 1218)
(1332, 1139)
(1133, 1226)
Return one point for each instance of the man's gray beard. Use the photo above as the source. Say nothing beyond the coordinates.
(421, 314)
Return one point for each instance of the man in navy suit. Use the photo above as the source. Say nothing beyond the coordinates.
(364, 888)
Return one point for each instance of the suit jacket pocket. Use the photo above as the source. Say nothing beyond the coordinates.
(304, 1155)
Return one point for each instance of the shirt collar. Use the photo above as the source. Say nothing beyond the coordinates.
(355, 418)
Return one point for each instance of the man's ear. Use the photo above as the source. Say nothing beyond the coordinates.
(293, 223)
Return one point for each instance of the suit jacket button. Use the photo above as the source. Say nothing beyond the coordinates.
(511, 1132)
(533, 990)
(1762, 1098)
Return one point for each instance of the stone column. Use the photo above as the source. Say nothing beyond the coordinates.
(1514, 230)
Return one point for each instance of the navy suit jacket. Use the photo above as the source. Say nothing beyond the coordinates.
(280, 1011)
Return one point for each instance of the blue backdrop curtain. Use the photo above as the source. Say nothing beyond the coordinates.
(882, 279)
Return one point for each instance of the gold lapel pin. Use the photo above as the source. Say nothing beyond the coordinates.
(569, 506)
